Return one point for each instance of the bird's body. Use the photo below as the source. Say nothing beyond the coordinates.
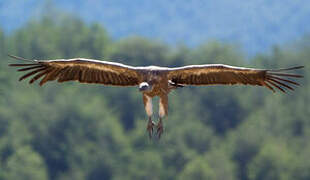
(154, 80)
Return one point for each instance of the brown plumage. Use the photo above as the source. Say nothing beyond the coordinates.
(154, 80)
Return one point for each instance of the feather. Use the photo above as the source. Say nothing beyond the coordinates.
(285, 80)
(63, 75)
(31, 73)
(52, 75)
(282, 84)
(287, 69)
(290, 75)
(33, 67)
(275, 85)
(38, 76)
(20, 58)
(23, 64)
(268, 86)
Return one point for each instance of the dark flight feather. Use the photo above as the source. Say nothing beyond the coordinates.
(83, 70)
(217, 74)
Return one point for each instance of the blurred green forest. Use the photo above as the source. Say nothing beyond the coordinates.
(78, 131)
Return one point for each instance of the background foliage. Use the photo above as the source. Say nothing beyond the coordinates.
(77, 131)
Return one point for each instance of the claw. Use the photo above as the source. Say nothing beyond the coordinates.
(150, 126)
(160, 128)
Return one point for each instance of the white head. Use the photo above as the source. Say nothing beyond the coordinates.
(144, 86)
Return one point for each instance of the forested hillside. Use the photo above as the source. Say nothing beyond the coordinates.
(78, 131)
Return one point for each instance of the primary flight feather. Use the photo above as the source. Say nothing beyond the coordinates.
(153, 80)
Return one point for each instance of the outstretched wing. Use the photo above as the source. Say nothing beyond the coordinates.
(82, 70)
(214, 74)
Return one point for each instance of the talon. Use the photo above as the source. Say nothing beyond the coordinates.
(160, 128)
(149, 127)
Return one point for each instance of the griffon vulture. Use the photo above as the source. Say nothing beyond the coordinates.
(153, 80)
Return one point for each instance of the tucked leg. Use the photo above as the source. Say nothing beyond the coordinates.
(150, 127)
(149, 111)
(160, 128)
(163, 111)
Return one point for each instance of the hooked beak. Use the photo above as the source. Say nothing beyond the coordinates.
(144, 86)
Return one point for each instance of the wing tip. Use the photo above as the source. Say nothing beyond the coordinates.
(283, 81)
(20, 58)
(287, 69)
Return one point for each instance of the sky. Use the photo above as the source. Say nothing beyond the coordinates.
(255, 26)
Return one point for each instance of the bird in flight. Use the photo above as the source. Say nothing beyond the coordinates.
(154, 80)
